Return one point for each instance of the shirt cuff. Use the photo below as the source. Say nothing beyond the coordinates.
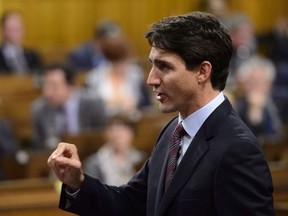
(71, 193)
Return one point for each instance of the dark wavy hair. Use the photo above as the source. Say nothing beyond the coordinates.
(67, 70)
(195, 37)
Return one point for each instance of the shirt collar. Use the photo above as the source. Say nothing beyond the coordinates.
(72, 100)
(195, 120)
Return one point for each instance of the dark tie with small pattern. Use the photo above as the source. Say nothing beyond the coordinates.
(174, 153)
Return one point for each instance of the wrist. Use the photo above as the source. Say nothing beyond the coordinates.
(76, 185)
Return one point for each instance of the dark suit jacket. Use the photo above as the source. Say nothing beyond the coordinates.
(91, 116)
(222, 173)
(86, 57)
(8, 144)
(33, 60)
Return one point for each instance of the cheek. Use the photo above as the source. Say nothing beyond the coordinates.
(183, 87)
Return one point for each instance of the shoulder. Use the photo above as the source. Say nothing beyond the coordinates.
(103, 154)
(233, 128)
(85, 47)
(39, 104)
(135, 72)
(233, 140)
(30, 52)
(86, 99)
(4, 123)
(225, 129)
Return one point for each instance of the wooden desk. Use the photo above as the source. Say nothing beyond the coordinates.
(35, 166)
(281, 208)
(276, 151)
(33, 197)
(279, 172)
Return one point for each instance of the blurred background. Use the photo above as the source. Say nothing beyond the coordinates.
(56, 27)
(70, 70)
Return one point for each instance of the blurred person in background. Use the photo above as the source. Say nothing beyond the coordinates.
(115, 162)
(256, 106)
(120, 82)
(14, 58)
(219, 8)
(244, 44)
(64, 109)
(88, 55)
(276, 43)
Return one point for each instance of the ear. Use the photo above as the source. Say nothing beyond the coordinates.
(205, 69)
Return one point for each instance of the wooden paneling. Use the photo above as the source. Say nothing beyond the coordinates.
(264, 13)
(54, 27)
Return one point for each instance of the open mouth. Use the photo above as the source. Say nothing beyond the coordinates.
(160, 96)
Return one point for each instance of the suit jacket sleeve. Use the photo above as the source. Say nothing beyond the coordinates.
(243, 184)
(98, 199)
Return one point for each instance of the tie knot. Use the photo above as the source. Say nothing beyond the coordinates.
(179, 131)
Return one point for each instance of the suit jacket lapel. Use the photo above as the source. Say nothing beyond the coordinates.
(159, 171)
(195, 152)
(185, 169)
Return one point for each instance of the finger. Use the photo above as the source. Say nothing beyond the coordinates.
(60, 149)
(61, 162)
(59, 169)
(56, 153)
(52, 165)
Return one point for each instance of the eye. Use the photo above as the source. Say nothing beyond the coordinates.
(163, 67)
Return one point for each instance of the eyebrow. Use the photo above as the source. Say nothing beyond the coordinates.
(160, 61)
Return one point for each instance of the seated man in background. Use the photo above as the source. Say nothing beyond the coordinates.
(115, 162)
(14, 58)
(63, 109)
(255, 105)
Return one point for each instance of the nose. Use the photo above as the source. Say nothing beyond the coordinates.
(153, 79)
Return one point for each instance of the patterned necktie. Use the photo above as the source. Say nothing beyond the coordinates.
(174, 152)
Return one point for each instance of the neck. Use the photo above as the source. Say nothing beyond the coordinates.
(200, 101)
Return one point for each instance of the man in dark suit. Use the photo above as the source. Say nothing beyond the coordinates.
(14, 58)
(64, 109)
(220, 168)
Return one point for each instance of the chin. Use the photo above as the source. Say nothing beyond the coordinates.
(166, 109)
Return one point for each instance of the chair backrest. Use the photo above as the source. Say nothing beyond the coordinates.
(16, 96)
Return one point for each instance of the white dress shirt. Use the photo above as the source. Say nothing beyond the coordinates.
(194, 121)
(69, 117)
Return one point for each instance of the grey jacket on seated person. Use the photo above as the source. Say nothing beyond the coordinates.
(91, 115)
